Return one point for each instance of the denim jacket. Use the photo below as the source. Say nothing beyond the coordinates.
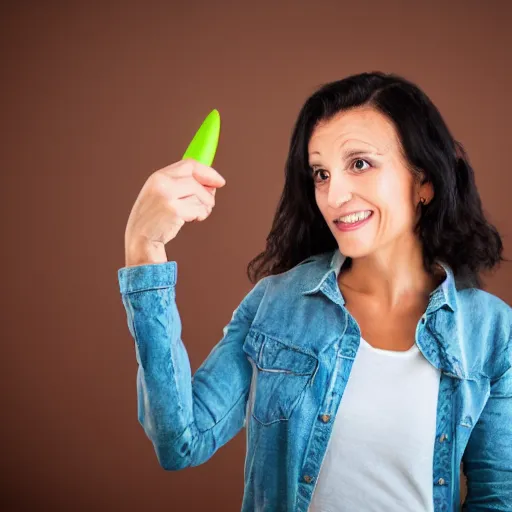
(280, 370)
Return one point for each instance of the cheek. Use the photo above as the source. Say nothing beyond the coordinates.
(393, 196)
(321, 201)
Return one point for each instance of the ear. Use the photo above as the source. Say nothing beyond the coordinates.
(424, 189)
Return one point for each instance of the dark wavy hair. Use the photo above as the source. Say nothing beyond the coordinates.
(452, 226)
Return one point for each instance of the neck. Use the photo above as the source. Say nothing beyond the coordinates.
(393, 275)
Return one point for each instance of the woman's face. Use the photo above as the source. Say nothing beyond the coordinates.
(363, 188)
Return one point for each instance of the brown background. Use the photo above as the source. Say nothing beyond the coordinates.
(95, 97)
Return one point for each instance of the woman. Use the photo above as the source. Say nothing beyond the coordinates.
(366, 363)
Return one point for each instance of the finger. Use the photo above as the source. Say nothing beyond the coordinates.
(204, 213)
(188, 187)
(203, 194)
(191, 209)
(207, 175)
(202, 173)
(211, 190)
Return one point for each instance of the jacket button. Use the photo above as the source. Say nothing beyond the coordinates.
(308, 479)
(325, 418)
(443, 438)
(441, 481)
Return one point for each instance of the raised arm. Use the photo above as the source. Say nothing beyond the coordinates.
(186, 418)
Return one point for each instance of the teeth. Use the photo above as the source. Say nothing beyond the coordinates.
(355, 217)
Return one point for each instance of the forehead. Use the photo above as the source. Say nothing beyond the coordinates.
(360, 124)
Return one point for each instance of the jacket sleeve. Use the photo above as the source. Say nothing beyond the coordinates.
(186, 418)
(487, 460)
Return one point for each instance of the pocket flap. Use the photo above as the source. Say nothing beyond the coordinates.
(272, 354)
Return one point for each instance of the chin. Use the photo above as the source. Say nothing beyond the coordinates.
(355, 250)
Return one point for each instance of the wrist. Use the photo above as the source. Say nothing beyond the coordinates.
(143, 252)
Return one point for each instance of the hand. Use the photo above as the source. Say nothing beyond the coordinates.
(181, 192)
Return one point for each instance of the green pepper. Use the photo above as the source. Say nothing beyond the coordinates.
(204, 144)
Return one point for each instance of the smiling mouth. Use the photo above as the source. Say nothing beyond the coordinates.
(353, 218)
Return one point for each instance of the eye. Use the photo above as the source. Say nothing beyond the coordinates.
(315, 173)
(358, 161)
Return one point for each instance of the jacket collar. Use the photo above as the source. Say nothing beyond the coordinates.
(327, 267)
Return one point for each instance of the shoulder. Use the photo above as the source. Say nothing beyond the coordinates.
(303, 276)
(480, 304)
(488, 325)
(289, 285)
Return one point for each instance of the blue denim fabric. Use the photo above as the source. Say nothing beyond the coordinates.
(280, 370)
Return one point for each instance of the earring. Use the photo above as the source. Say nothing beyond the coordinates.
(423, 200)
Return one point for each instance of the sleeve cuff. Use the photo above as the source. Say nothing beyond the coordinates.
(147, 277)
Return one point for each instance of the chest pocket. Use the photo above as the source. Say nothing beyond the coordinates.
(280, 376)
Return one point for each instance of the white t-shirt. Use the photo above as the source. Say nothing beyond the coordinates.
(380, 455)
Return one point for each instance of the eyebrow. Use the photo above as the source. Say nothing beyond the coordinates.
(351, 153)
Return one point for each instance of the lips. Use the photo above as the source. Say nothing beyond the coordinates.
(355, 216)
(346, 226)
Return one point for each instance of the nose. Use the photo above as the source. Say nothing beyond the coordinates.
(340, 190)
